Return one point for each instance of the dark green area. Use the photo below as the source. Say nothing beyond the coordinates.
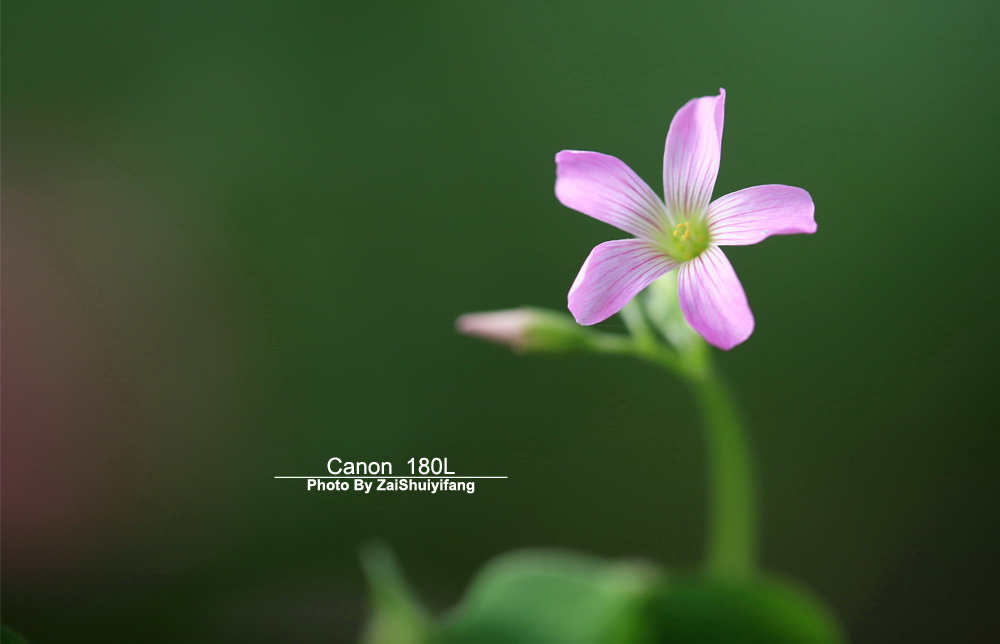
(236, 236)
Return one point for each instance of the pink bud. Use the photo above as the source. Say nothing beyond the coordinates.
(508, 327)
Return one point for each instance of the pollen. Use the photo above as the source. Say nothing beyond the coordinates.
(683, 231)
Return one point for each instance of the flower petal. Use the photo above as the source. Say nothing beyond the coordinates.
(613, 274)
(603, 187)
(691, 158)
(713, 300)
(750, 215)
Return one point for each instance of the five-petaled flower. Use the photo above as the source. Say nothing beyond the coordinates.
(683, 231)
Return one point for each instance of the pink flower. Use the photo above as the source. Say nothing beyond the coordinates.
(683, 231)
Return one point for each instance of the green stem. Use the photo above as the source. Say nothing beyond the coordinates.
(732, 532)
(732, 514)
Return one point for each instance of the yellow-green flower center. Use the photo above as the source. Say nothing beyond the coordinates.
(688, 240)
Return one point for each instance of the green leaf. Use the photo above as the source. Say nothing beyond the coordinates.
(8, 636)
(553, 597)
(756, 612)
(397, 617)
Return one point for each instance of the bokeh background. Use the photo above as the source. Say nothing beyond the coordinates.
(236, 236)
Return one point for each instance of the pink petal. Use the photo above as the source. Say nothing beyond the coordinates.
(603, 187)
(691, 158)
(613, 274)
(713, 300)
(750, 215)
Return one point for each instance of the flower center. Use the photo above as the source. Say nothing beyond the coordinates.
(688, 240)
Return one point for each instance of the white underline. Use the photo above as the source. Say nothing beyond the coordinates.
(390, 477)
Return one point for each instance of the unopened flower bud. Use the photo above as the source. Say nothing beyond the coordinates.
(526, 330)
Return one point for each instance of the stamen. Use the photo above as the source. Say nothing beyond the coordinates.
(688, 240)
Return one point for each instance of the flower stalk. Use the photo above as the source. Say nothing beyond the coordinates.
(732, 522)
(658, 335)
(731, 549)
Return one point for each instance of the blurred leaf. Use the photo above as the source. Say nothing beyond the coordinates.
(552, 597)
(764, 612)
(397, 616)
(8, 636)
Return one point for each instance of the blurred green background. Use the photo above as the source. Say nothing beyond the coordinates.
(236, 236)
